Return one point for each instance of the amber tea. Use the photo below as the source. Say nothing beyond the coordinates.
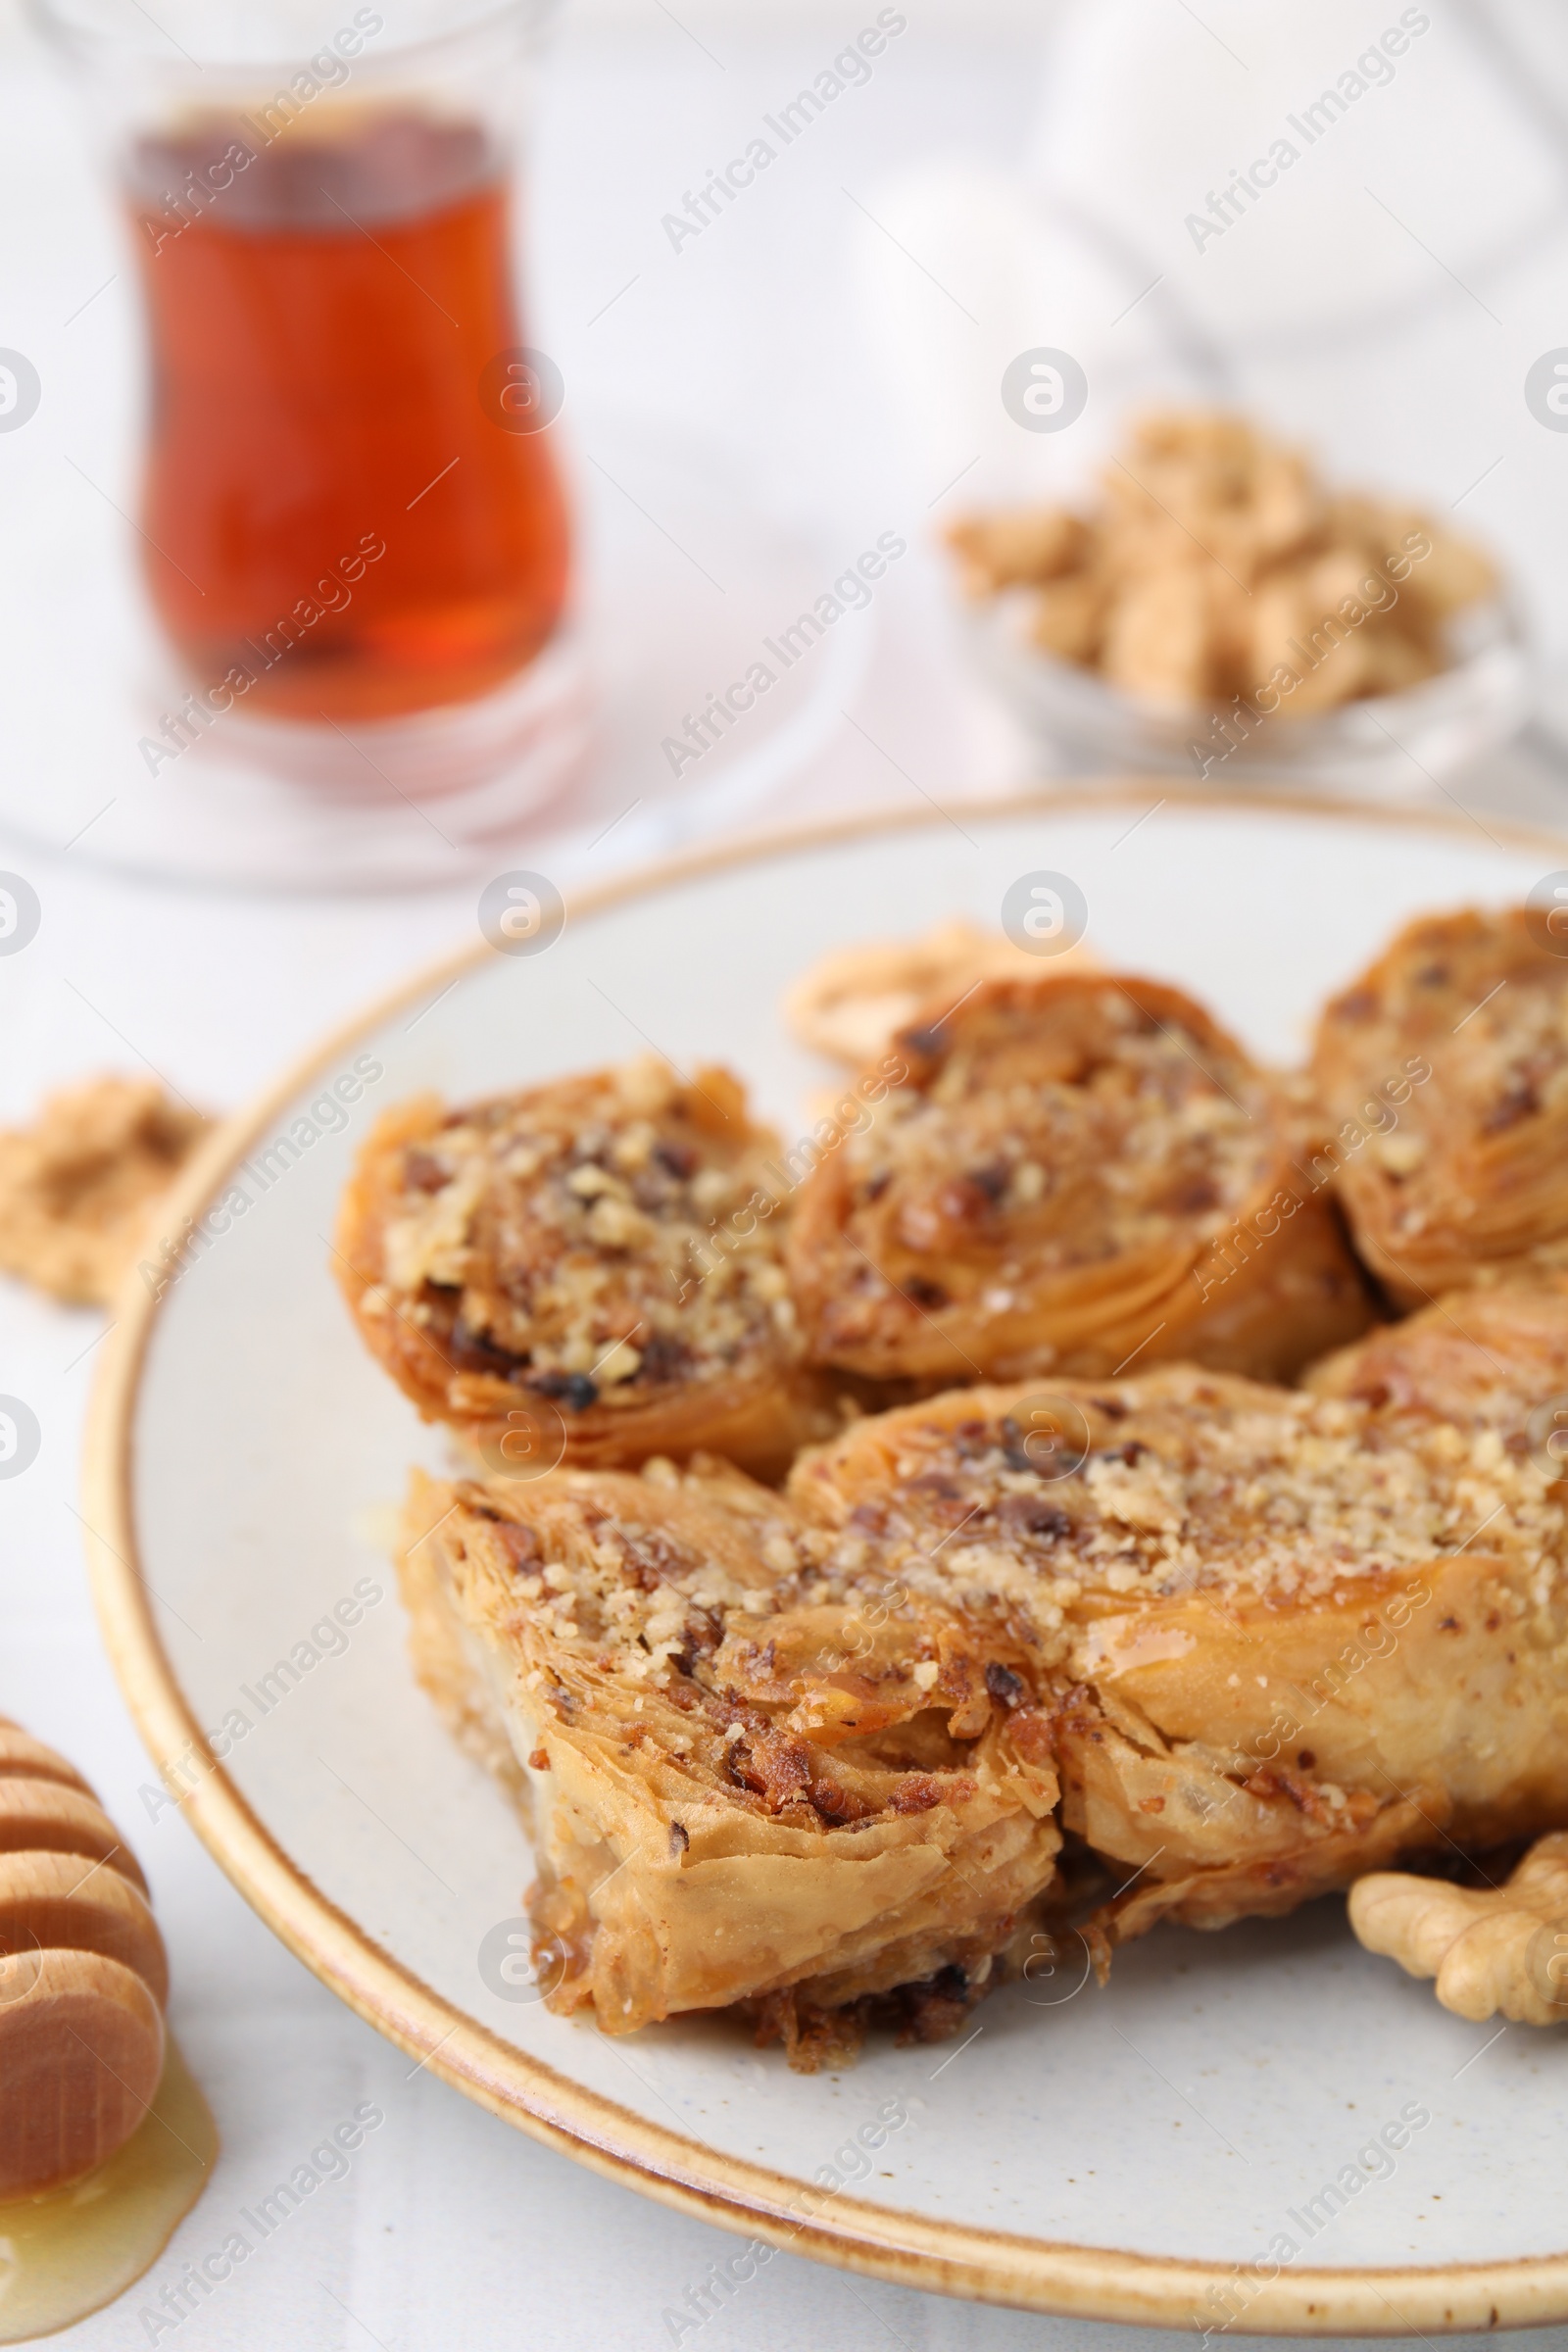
(336, 526)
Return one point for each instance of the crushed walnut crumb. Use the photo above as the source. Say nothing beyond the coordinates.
(80, 1189)
(1044, 1131)
(1455, 1048)
(1199, 1483)
(599, 1241)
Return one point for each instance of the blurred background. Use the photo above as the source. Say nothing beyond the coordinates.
(751, 390)
(760, 403)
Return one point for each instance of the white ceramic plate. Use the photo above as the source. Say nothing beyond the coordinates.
(1194, 2130)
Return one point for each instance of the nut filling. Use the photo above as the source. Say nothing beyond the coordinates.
(609, 1245)
(738, 1793)
(1055, 1187)
(1188, 1482)
(1452, 1051)
(803, 1750)
(565, 1238)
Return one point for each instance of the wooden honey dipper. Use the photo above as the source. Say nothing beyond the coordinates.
(83, 1976)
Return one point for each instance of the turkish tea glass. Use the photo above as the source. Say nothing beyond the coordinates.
(351, 510)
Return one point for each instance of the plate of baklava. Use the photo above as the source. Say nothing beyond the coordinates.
(874, 1529)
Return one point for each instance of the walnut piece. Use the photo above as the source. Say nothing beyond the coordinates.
(1502, 1948)
(80, 1189)
(851, 1002)
(1216, 566)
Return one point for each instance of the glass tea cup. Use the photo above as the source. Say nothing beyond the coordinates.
(351, 509)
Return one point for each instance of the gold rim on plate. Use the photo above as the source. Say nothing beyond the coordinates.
(910, 2249)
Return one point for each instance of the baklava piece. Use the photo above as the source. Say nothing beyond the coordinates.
(1078, 1170)
(1290, 1639)
(1495, 1356)
(1444, 1073)
(590, 1270)
(803, 1752)
(753, 1774)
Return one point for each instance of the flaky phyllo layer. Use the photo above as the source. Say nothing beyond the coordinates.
(1472, 1173)
(543, 1271)
(1494, 1357)
(746, 1774)
(801, 1750)
(1135, 1634)
(1053, 1173)
(1077, 1168)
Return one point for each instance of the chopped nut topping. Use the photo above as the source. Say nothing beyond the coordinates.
(1051, 1133)
(587, 1239)
(1444, 1071)
(1199, 1483)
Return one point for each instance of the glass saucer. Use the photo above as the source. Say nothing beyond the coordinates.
(685, 576)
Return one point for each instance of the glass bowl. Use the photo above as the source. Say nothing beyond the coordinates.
(1396, 745)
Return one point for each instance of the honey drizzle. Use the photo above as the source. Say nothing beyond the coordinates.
(69, 2252)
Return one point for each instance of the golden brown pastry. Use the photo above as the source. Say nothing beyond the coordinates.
(1289, 1638)
(1444, 1073)
(1080, 1169)
(752, 1775)
(804, 1751)
(1494, 1356)
(589, 1270)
